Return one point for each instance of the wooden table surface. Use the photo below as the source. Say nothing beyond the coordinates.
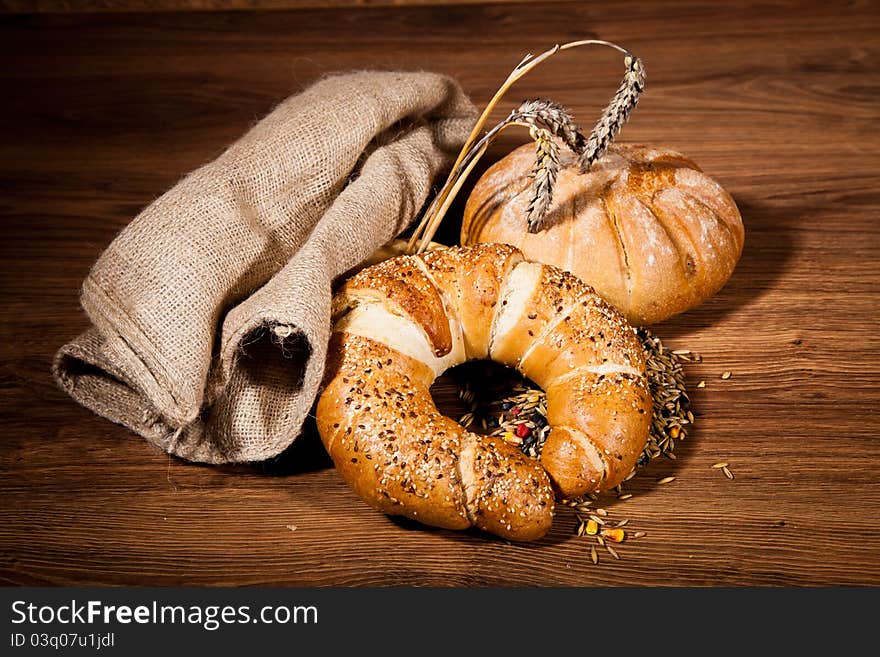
(779, 101)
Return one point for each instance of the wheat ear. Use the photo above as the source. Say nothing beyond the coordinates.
(546, 122)
(616, 114)
(553, 117)
(473, 149)
(544, 176)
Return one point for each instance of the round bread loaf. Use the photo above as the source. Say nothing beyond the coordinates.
(645, 227)
(401, 323)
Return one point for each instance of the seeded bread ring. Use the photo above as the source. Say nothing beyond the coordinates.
(400, 324)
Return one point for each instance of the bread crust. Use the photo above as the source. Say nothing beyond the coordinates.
(390, 443)
(471, 279)
(402, 283)
(651, 232)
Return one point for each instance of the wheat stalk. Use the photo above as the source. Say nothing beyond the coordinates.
(535, 117)
(616, 114)
(541, 117)
(545, 120)
(554, 118)
(544, 175)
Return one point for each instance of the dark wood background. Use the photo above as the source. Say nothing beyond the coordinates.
(780, 101)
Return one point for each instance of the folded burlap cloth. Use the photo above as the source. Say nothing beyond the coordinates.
(211, 309)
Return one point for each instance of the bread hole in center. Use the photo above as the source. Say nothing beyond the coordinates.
(489, 398)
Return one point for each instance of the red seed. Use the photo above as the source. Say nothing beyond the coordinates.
(522, 430)
(515, 411)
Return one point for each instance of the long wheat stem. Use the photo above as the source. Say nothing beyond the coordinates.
(473, 149)
(545, 120)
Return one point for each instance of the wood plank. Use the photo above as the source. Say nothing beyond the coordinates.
(120, 6)
(778, 101)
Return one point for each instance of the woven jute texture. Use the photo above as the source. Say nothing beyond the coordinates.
(210, 311)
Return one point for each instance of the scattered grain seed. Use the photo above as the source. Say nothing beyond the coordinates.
(720, 464)
(616, 535)
(727, 473)
(639, 534)
(665, 480)
(612, 551)
(726, 375)
(512, 406)
(594, 557)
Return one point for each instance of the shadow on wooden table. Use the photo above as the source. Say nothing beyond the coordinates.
(769, 248)
(306, 454)
(559, 533)
(565, 521)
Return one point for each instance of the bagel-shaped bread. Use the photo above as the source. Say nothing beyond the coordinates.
(403, 322)
(651, 232)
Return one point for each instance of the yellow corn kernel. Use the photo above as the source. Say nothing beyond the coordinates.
(509, 437)
(592, 527)
(616, 535)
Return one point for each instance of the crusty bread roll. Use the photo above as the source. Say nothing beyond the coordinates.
(401, 323)
(645, 227)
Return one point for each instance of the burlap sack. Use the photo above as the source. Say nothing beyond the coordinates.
(211, 309)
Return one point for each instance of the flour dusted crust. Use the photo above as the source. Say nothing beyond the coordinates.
(651, 232)
(390, 443)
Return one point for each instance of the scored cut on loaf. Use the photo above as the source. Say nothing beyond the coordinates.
(645, 226)
(401, 323)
